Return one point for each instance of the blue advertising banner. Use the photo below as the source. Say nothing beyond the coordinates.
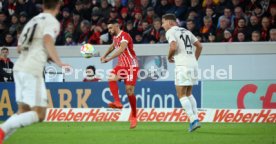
(97, 95)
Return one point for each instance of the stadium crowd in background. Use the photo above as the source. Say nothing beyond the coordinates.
(86, 20)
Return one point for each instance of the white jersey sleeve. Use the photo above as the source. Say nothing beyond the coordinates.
(193, 38)
(170, 36)
(52, 29)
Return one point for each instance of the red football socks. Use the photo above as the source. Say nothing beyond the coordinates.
(132, 101)
(114, 90)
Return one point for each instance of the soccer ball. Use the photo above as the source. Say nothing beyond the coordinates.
(87, 50)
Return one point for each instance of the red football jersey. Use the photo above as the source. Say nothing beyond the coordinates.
(128, 57)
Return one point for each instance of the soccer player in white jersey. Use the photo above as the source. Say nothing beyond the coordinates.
(184, 51)
(36, 45)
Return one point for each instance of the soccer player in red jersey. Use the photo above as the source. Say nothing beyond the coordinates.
(126, 69)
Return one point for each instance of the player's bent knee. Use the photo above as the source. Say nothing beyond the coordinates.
(129, 91)
(23, 108)
(41, 113)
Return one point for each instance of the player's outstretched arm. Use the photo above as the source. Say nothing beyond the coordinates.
(109, 50)
(49, 44)
(122, 48)
(198, 46)
(173, 47)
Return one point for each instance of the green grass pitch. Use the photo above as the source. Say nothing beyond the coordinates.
(145, 133)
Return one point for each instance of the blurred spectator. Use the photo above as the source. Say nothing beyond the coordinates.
(219, 9)
(250, 6)
(130, 7)
(95, 36)
(255, 36)
(190, 25)
(224, 24)
(179, 9)
(240, 27)
(3, 18)
(227, 36)
(23, 18)
(162, 38)
(6, 65)
(86, 8)
(113, 14)
(69, 39)
(66, 18)
(91, 75)
(258, 11)
(76, 22)
(144, 6)
(78, 7)
(70, 29)
(238, 14)
(162, 8)
(118, 4)
(14, 24)
(138, 38)
(26, 6)
(85, 32)
(137, 23)
(241, 37)
(210, 12)
(227, 14)
(9, 40)
(124, 18)
(195, 17)
(236, 3)
(272, 34)
(95, 17)
(207, 28)
(154, 34)
(130, 29)
(194, 5)
(272, 13)
(150, 16)
(146, 29)
(105, 9)
(265, 29)
(254, 24)
(211, 38)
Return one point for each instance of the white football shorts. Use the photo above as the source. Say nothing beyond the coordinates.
(30, 89)
(186, 76)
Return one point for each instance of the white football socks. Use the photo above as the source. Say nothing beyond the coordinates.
(194, 105)
(186, 104)
(19, 120)
(7, 135)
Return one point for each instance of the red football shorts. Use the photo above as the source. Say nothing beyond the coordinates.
(128, 74)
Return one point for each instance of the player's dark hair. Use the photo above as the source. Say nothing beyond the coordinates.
(91, 67)
(4, 48)
(113, 22)
(169, 16)
(50, 4)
